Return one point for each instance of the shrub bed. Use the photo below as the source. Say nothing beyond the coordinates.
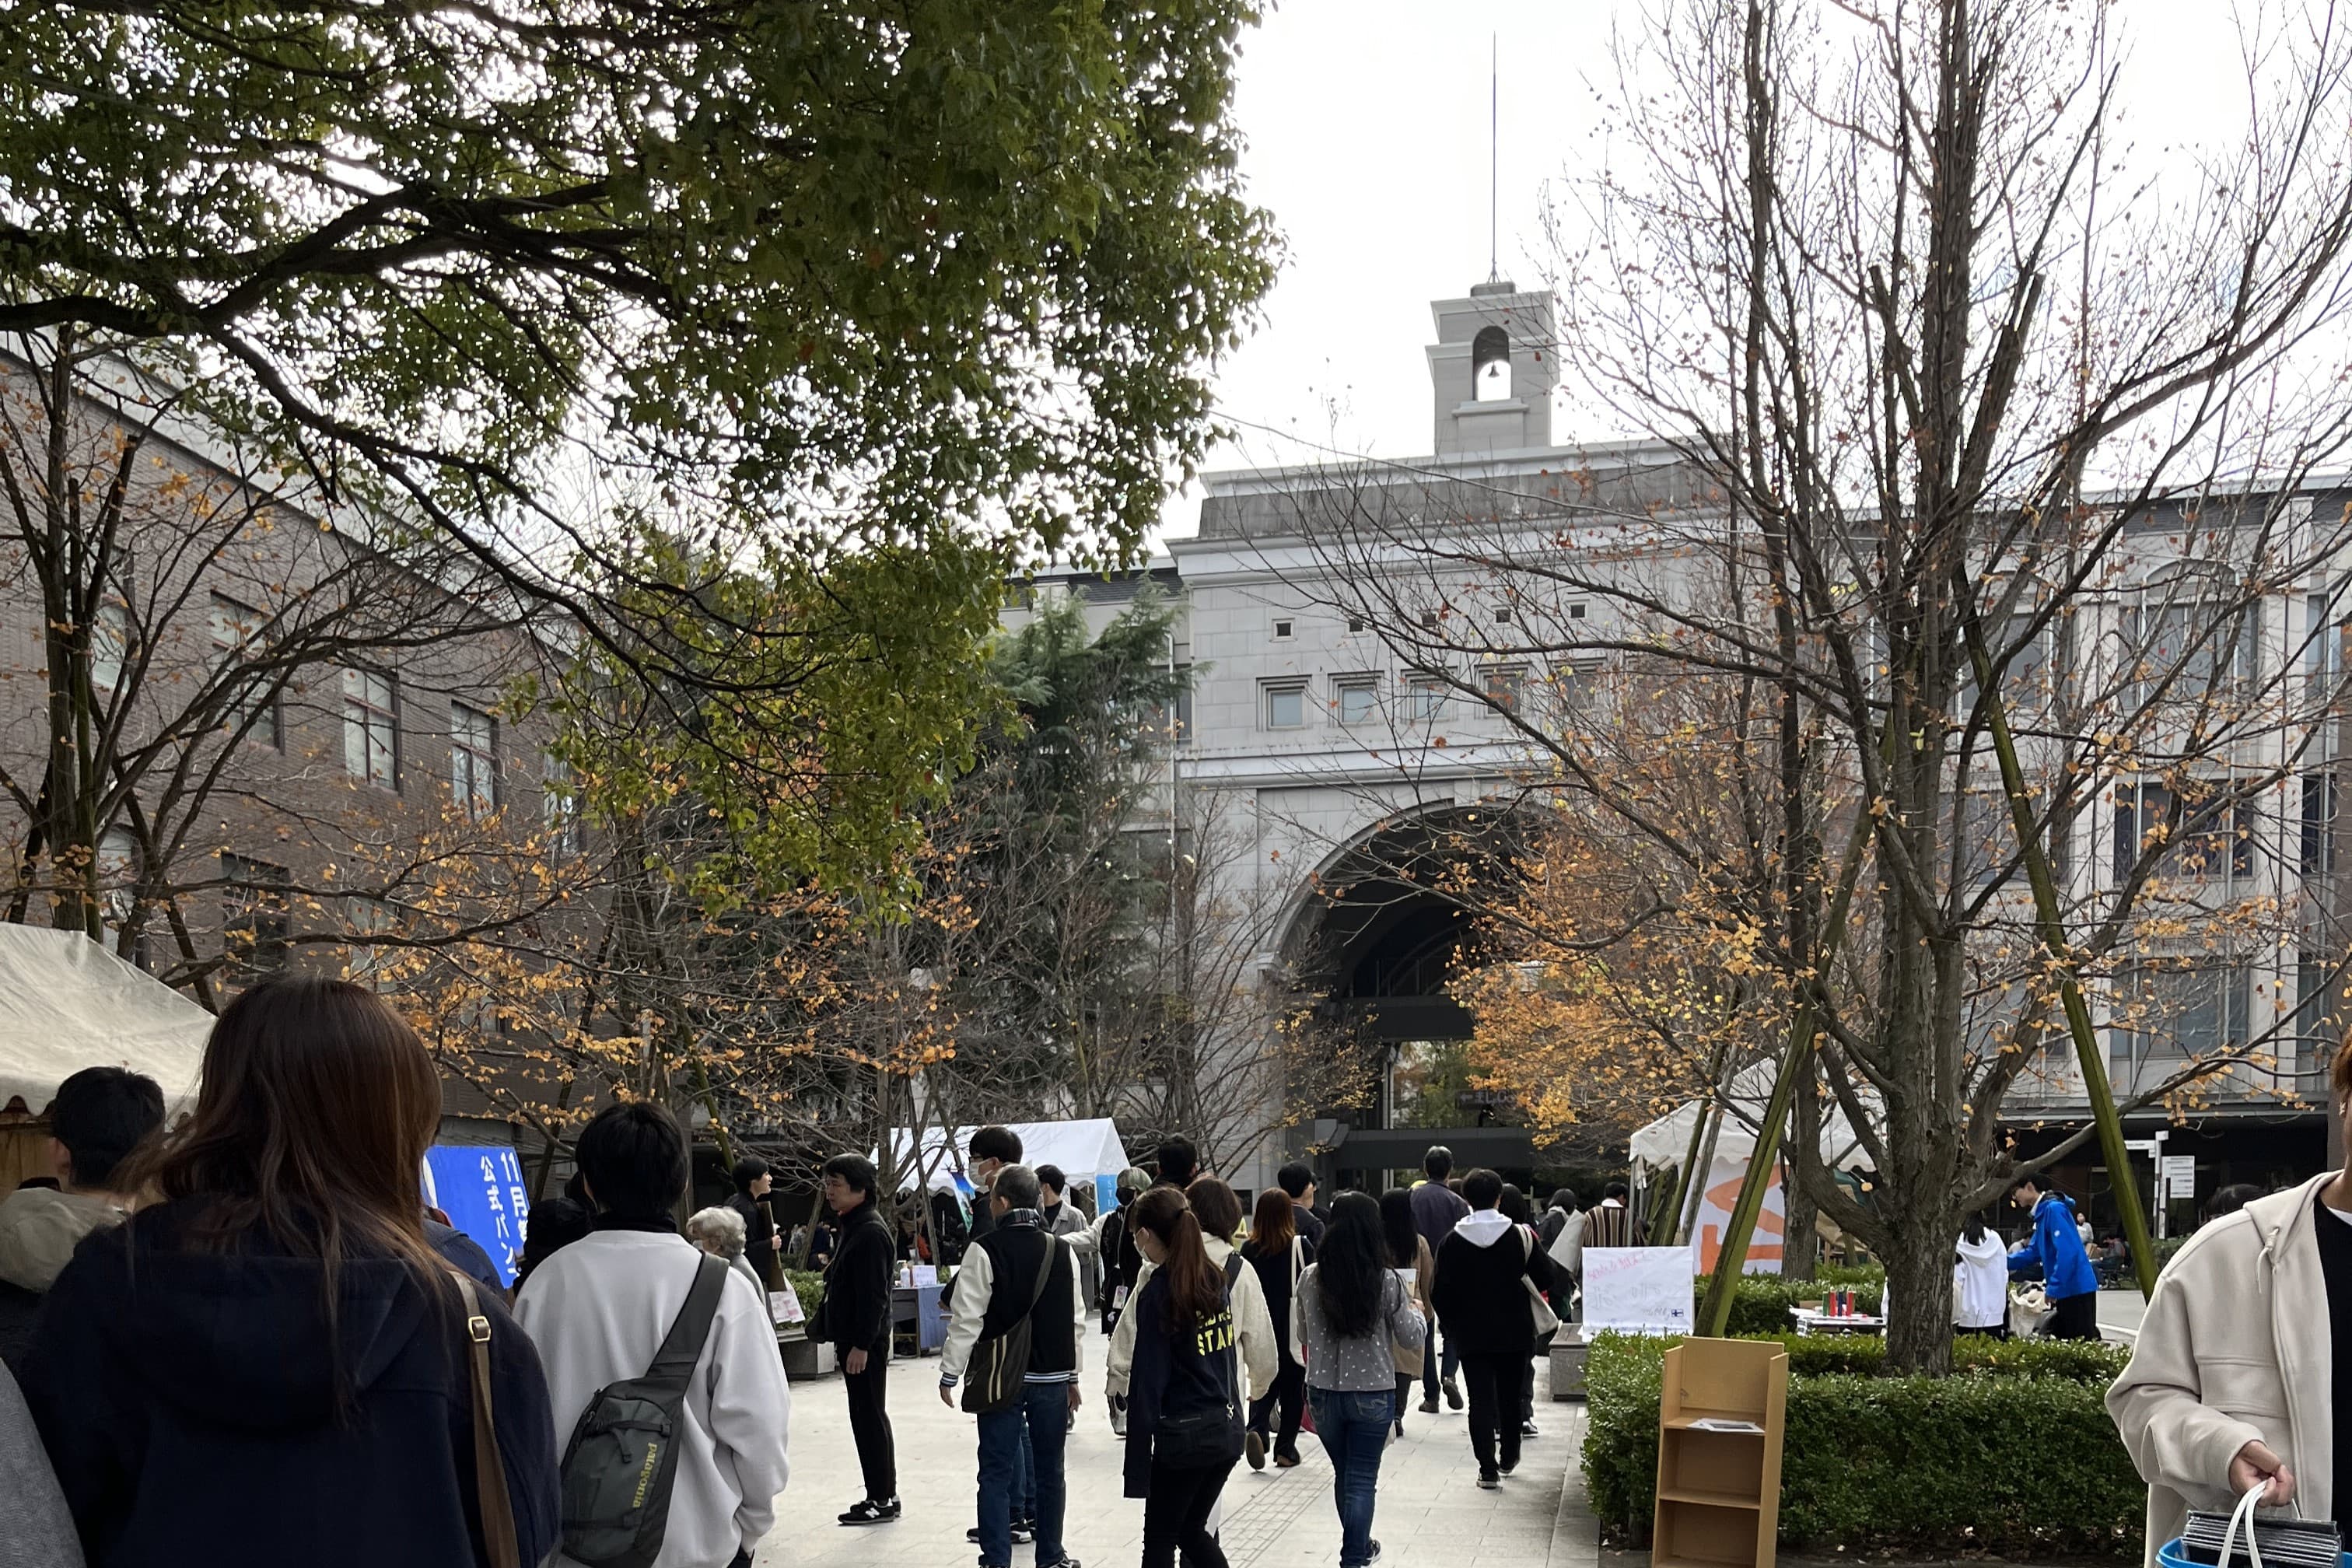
(1760, 1302)
(2012, 1454)
(809, 1286)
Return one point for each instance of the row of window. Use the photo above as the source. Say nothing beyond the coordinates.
(1356, 698)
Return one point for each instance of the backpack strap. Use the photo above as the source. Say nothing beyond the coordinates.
(673, 1364)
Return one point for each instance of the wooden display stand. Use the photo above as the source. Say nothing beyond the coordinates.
(1719, 1492)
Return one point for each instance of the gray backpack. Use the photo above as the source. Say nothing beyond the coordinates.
(622, 1461)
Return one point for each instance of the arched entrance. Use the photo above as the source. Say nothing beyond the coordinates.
(1388, 922)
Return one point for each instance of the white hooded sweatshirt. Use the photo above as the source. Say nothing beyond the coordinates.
(1981, 1282)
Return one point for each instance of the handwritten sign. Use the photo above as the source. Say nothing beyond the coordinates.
(784, 1305)
(481, 1189)
(1637, 1290)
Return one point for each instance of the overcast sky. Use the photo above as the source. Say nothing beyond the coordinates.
(1367, 124)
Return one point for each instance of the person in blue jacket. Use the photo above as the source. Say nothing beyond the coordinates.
(2056, 1246)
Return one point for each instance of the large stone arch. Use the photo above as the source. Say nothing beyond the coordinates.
(1369, 944)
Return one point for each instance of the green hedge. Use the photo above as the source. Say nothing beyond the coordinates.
(809, 1286)
(2012, 1454)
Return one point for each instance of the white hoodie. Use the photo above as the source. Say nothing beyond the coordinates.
(1483, 1227)
(1981, 1282)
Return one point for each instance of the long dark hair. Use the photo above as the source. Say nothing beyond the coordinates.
(1396, 1226)
(1274, 1224)
(1974, 1230)
(317, 1107)
(1195, 1289)
(1351, 1267)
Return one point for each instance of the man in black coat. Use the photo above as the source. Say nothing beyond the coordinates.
(1485, 1307)
(856, 1320)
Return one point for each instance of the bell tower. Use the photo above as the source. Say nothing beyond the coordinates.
(1493, 368)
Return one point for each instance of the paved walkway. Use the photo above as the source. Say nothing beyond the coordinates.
(1430, 1512)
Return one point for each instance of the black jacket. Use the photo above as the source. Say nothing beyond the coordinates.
(1483, 1308)
(759, 1231)
(1014, 1253)
(1187, 1369)
(1273, 1280)
(189, 1401)
(858, 1281)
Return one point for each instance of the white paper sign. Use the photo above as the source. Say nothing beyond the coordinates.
(2181, 1175)
(923, 1274)
(784, 1305)
(1637, 1290)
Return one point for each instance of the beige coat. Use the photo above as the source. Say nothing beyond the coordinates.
(2234, 1348)
(1252, 1330)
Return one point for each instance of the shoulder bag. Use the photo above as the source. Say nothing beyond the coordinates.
(1540, 1310)
(491, 1500)
(1209, 1438)
(1000, 1363)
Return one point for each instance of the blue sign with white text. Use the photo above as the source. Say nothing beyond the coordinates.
(480, 1188)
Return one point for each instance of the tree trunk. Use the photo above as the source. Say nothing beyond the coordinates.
(1802, 1238)
(1918, 1258)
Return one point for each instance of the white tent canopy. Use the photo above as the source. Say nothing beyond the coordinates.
(67, 1004)
(1084, 1149)
(1666, 1141)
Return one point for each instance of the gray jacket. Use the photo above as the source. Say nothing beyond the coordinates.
(39, 1532)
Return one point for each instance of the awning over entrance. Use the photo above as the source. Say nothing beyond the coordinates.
(1401, 1148)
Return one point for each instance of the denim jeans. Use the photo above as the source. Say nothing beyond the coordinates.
(1431, 1361)
(1039, 1419)
(1354, 1428)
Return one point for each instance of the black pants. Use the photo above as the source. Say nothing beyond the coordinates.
(1990, 1331)
(1176, 1516)
(869, 1425)
(2075, 1317)
(1289, 1392)
(1492, 1382)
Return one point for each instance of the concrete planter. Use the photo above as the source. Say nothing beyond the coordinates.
(805, 1359)
(1567, 1368)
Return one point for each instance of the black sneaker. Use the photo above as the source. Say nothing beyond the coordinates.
(1254, 1447)
(872, 1512)
(1527, 1429)
(1453, 1394)
(1064, 1563)
(1506, 1469)
(1489, 1481)
(1025, 1531)
(1374, 1556)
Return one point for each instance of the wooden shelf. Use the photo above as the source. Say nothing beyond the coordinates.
(1719, 1493)
(1693, 1495)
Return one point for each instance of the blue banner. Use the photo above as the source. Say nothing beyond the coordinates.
(480, 1188)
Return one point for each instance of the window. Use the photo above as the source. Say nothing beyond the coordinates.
(1359, 698)
(371, 727)
(1575, 611)
(1502, 614)
(2323, 649)
(1576, 683)
(1425, 698)
(559, 805)
(2189, 649)
(109, 648)
(254, 919)
(1429, 620)
(1356, 623)
(236, 633)
(1282, 629)
(1490, 365)
(1285, 705)
(2318, 1026)
(2318, 824)
(1505, 683)
(473, 760)
(117, 874)
(2213, 840)
(2025, 683)
(2180, 1012)
(368, 918)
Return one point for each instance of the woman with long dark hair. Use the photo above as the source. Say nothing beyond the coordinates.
(1280, 1255)
(1981, 1281)
(1355, 1317)
(269, 1358)
(1184, 1421)
(1408, 1253)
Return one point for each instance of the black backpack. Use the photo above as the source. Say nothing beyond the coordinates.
(622, 1461)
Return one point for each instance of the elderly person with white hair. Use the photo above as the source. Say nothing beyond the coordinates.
(720, 1231)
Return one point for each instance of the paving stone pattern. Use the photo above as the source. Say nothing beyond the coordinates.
(1430, 1512)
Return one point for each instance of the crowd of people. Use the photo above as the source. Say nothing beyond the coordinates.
(261, 1298)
